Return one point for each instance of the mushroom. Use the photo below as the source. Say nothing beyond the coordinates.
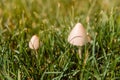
(34, 42)
(78, 37)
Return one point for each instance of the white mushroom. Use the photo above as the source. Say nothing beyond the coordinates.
(78, 37)
(34, 42)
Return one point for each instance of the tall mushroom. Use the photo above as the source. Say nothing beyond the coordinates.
(78, 37)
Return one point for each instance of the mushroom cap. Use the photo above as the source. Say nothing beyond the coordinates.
(34, 42)
(78, 35)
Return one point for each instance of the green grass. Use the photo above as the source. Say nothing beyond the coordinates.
(52, 21)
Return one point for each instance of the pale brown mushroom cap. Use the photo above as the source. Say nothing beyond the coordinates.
(34, 42)
(78, 35)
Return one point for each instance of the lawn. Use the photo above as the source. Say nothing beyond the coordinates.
(52, 21)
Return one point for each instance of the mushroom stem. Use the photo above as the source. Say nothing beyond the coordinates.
(79, 53)
(36, 54)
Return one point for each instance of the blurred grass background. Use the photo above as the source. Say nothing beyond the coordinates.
(52, 21)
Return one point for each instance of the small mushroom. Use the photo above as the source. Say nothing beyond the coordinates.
(78, 37)
(34, 42)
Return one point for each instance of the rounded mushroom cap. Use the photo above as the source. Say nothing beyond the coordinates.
(34, 42)
(78, 35)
